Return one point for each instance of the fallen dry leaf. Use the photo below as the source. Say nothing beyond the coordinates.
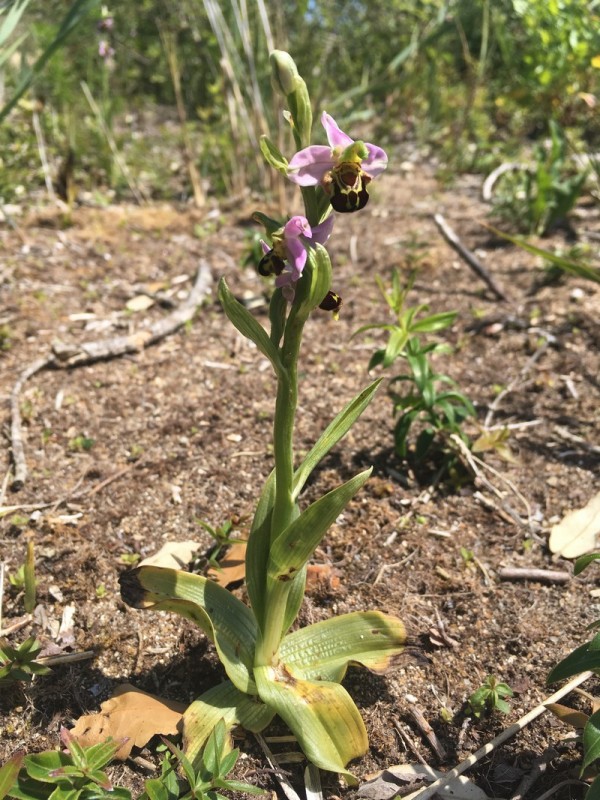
(570, 716)
(176, 555)
(140, 302)
(131, 714)
(578, 532)
(233, 566)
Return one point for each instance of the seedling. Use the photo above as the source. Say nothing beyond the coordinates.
(489, 697)
(19, 663)
(76, 773)
(583, 658)
(223, 536)
(431, 399)
(215, 763)
(24, 578)
(81, 443)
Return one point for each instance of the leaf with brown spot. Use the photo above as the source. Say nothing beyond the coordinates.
(132, 715)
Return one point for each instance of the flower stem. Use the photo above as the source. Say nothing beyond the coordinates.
(284, 509)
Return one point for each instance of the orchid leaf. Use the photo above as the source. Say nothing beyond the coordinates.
(324, 650)
(295, 599)
(222, 702)
(585, 657)
(322, 716)
(591, 740)
(257, 550)
(248, 326)
(295, 545)
(226, 620)
(337, 429)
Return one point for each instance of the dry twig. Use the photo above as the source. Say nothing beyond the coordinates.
(100, 350)
(467, 256)
(540, 575)
(427, 732)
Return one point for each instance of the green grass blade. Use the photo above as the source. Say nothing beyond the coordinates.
(76, 13)
(573, 267)
(324, 650)
(335, 431)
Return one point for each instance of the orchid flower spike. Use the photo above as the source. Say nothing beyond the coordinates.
(287, 257)
(344, 169)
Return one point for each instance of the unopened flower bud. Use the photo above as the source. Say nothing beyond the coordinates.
(284, 73)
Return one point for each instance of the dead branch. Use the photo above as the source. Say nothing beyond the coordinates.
(428, 732)
(506, 734)
(100, 350)
(539, 575)
(467, 256)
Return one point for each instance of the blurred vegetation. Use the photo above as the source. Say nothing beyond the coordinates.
(146, 94)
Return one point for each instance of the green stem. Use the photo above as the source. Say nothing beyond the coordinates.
(284, 509)
(283, 427)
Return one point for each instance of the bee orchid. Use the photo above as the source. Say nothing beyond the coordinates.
(344, 169)
(287, 257)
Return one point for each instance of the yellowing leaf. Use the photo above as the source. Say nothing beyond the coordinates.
(131, 714)
(596, 62)
(570, 716)
(321, 715)
(578, 532)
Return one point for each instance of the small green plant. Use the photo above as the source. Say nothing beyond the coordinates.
(19, 663)
(210, 774)
(24, 578)
(76, 773)
(81, 443)
(428, 400)
(223, 536)
(489, 697)
(536, 199)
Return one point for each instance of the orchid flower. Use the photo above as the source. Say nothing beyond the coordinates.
(287, 257)
(344, 169)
